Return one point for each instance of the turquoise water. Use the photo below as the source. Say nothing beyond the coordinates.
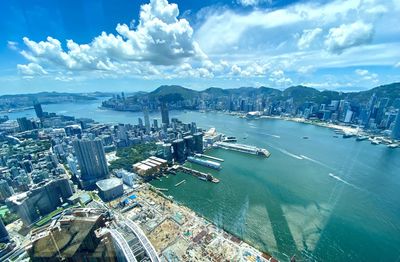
(322, 198)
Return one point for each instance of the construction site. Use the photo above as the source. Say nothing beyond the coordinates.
(178, 234)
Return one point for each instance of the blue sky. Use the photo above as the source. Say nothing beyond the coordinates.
(130, 45)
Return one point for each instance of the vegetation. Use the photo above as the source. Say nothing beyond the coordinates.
(131, 155)
(9, 217)
(48, 217)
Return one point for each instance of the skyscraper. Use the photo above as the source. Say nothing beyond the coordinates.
(5, 190)
(4, 237)
(38, 109)
(198, 142)
(396, 127)
(146, 119)
(179, 150)
(140, 122)
(189, 144)
(92, 161)
(164, 114)
(25, 124)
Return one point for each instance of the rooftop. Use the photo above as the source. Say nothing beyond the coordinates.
(107, 184)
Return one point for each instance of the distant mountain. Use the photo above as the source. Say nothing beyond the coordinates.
(172, 93)
(390, 91)
(299, 94)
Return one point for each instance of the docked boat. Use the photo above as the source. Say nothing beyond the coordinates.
(375, 142)
(361, 138)
(243, 148)
(203, 162)
(393, 145)
(230, 139)
(347, 135)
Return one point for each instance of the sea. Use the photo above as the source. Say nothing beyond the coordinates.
(324, 198)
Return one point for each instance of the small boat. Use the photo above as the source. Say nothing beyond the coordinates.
(393, 145)
(361, 138)
(305, 137)
(347, 135)
(202, 178)
(335, 136)
(375, 142)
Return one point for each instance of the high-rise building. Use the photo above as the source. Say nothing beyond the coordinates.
(164, 114)
(167, 152)
(179, 150)
(4, 237)
(396, 127)
(92, 161)
(140, 122)
(40, 200)
(5, 190)
(24, 124)
(155, 124)
(189, 144)
(38, 110)
(146, 119)
(198, 142)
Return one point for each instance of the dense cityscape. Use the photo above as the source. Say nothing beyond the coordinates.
(56, 168)
(186, 131)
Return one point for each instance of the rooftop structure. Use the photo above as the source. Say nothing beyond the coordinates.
(110, 189)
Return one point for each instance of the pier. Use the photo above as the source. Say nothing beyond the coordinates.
(198, 174)
(210, 157)
(180, 183)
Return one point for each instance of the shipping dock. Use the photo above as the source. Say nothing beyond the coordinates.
(243, 148)
(198, 174)
(209, 157)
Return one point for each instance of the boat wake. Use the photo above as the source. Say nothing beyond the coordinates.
(342, 180)
(276, 136)
(315, 161)
(290, 154)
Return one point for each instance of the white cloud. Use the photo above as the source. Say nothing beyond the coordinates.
(308, 37)
(31, 69)
(366, 75)
(278, 78)
(12, 45)
(253, 2)
(348, 35)
(159, 39)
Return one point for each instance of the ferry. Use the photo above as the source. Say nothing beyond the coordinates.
(203, 162)
(243, 148)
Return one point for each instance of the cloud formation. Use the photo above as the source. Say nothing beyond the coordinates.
(277, 46)
(348, 35)
(308, 37)
(160, 38)
(253, 2)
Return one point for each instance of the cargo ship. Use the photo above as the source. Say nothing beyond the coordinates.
(203, 162)
(243, 148)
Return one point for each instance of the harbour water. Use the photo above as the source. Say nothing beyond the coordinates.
(322, 198)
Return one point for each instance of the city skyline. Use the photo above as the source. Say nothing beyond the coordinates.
(335, 45)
